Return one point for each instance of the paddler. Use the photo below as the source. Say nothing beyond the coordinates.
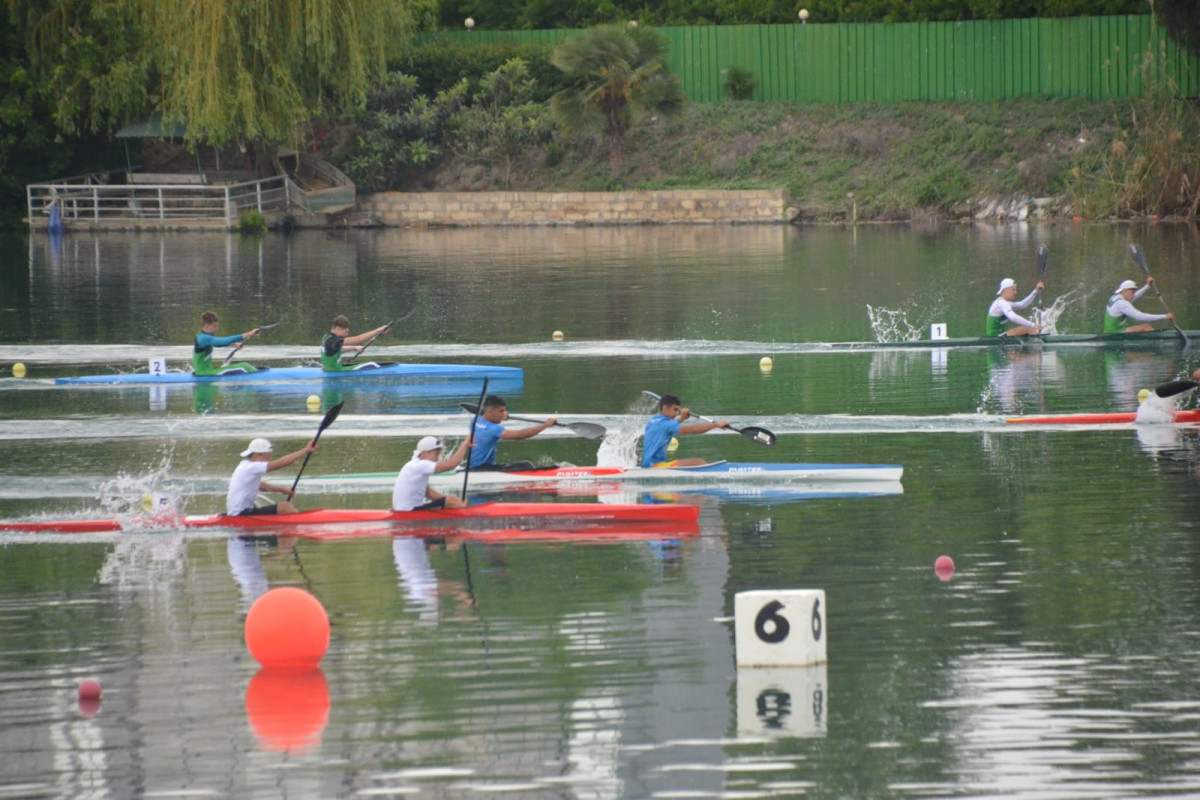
(339, 340)
(1120, 310)
(667, 423)
(489, 430)
(207, 339)
(1002, 316)
(411, 491)
(247, 480)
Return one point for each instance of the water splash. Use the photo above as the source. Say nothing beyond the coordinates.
(892, 325)
(137, 500)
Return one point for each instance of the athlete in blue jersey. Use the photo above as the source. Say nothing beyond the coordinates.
(667, 423)
(489, 431)
(207, 339)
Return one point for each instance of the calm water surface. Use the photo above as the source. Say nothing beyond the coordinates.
(1059, 661)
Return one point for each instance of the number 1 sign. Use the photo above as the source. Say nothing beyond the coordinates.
(784, 628)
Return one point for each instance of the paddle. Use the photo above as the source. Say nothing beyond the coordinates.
(587, 430)
(330, 416)
(757, 435)
(1174, 388)
(367, 343)
(238, 346)
(1042, 253)
(1140, 258)
(475, 419)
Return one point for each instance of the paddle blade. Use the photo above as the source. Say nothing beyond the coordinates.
(758, 435)
(470, 408)
(588, 430)
(1173, 388)
(1135, 252)
(1042, 253)
(330, 416)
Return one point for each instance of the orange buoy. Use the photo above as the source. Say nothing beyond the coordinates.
(287, 627)
(288, 709)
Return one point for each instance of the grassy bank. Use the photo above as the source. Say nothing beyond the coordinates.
(885, 162)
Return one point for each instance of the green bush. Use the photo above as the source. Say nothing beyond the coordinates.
(739, 83)
(441, 62)
(251, 222)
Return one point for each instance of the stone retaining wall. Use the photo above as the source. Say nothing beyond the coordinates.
(469, 209)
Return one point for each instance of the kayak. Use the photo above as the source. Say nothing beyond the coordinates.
(1161, 338)
(275, 374)
(585, 512)
(1116, 417)
(715, 472)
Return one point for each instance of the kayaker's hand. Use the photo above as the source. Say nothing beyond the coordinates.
(1037, 328)
(684, 413)
(550, 423)
(310, 447)
(723, 423)
(290, 494)
(1149, 279)
(1040, 286)
(1170, 316)
(249, 334)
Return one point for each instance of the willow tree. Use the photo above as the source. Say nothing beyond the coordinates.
(248, 70)
(262, 69)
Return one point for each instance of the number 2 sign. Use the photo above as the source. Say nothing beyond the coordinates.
(784, 628)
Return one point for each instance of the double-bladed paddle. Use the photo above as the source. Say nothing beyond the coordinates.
(238, 346)
(1175, 388)
(755, 434)
(367, 343)
(330, 416)
(1138, 256)
(1042, 253)
(474, 421)
(587, 430)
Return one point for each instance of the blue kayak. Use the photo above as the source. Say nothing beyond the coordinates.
(274, 374)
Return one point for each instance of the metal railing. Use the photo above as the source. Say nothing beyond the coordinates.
(165, 203)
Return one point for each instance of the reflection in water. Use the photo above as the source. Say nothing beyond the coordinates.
(1130, 371)
(418, 581)
(1017, 379)
(247, 569)
(288, 709)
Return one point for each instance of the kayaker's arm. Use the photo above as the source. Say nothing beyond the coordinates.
(291, 458)
(525, 433)
(703, 427)
(270, 487)
(456, 458)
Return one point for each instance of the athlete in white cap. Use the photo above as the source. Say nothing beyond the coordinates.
(247, 480)
(1119, 310)
(1002, 317)
(411, 491)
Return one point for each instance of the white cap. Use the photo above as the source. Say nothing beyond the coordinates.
(1126, 285)
(257, 446)
(426, 444)
(1007, 283)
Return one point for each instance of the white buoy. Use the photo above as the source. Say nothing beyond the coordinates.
(18, 370)
(313, 402)
(557, 336)
(766, 364)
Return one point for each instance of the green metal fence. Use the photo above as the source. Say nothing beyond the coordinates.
(1093, 57)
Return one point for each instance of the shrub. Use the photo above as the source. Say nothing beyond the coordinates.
(251, 222)
(739, 83)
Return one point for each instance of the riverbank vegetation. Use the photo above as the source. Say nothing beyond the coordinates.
(599, 112)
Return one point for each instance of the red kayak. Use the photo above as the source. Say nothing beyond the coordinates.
(584, 512)
(1191, 415)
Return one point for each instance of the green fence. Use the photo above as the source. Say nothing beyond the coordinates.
(1093, 57)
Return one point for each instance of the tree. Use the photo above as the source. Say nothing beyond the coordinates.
(256, 70)
(1181, 20)
(619, 72)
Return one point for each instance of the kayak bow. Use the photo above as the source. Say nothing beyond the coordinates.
(1114, 418)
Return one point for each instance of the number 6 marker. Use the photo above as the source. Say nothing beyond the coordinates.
(784, 628)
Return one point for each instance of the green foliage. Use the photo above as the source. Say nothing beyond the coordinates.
(251, 222)
(618, 72)
(739, 83)
(441, 62)
(502, 122)
(400, 130)
(1181, 19)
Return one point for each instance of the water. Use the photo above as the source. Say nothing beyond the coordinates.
(1059, 661)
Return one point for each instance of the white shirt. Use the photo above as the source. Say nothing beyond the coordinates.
(1004, 308)
(1118, 306)
(244, 485)
(411, 484)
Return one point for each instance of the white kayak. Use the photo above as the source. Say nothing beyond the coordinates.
(718, 472)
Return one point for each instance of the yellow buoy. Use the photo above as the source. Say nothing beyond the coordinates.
(557, 336)
(18, 370)
(313, 402)
(1142, 395)
(673, 446)
(765, 363)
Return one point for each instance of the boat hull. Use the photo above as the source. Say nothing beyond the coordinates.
(589, 513)
(718, 472)
(278, 374)
(1114, 418)
(1151, 339)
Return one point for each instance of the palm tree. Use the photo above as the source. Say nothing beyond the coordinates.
(619, 72)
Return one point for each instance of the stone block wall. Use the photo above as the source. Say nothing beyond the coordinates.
(471, 209)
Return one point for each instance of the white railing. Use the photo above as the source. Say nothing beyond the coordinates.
(164, 202)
